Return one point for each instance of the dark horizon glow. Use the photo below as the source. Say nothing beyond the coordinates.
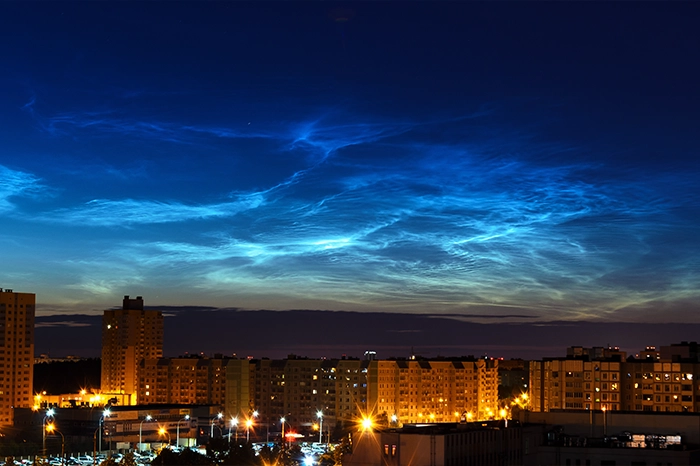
(333, 334)
(507, 162)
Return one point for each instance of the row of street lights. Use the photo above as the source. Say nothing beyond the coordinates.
(233, 424)
(49, 414)
(162, 431)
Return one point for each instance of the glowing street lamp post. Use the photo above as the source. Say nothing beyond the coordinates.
(49, 413)
(177, 437)
(163, 431)
(284, 440)
(233, 423)
(248, 425)
(504, 416)
(147, 418)
(319, 414)
(217, 417)
(605, 421)
(105, 414)
(52, 429)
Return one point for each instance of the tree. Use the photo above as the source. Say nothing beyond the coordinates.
(239, 455)
(109, 462)
(187, 457)
(128, 460)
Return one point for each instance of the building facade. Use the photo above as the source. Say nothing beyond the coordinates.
(338, 391)
(415, 391)
(129, 335)
(188, 380)
(448, 444)
(597, 381)
(298, 389)
(17, 312)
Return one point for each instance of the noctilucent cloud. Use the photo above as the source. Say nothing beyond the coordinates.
(528, 161)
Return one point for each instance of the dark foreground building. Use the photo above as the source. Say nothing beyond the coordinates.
(557, 438)
(448, 444)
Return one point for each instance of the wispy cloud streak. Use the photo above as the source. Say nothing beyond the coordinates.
(131, 212)
(15, 183)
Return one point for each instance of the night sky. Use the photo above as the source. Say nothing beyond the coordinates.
(510, 163)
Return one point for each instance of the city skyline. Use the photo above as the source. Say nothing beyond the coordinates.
(513, 163)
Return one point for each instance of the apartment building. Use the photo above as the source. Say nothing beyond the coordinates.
(575, 384)
(297, 389)
(415, 391)
(17, 312)
(603, 381)
(185, 380)
(129, 335)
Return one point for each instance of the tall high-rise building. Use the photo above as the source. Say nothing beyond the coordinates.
(16, 352)
(129, 335)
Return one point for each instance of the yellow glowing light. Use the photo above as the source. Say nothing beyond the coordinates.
(162, 431)
(50, 428)
(249, 423)
(315, 426)
(503, 413)
(367, 423)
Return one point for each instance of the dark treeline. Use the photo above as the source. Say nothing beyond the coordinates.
(67, 376)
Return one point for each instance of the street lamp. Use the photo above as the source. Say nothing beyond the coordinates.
(504, 416)
(248, 425)
(319, 415)
(147, 418)
(49, 413)
(217, 417)
(105, 414)
(283, 420)
(605, 421)
(233, 423)
(51, 429)
(177, 438)
(163, 431)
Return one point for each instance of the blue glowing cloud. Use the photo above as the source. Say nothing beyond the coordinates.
(17, 184)
(413, 184)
